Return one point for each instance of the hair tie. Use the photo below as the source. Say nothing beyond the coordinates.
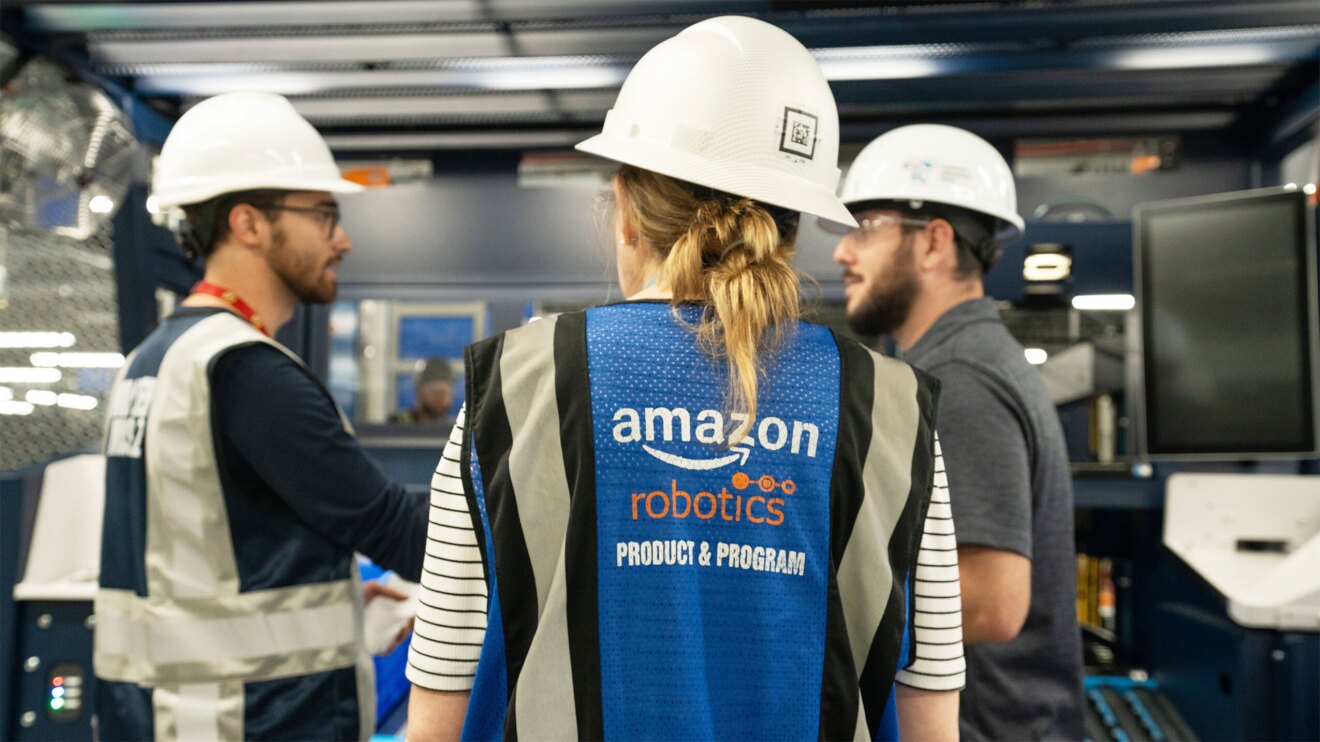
(736, 243)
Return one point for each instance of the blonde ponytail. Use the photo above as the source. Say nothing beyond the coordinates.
(727, 253)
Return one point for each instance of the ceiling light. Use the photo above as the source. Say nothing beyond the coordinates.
(1104, 302)
(43, 397)
(9, 407)
(36, 339)
(25, 375)
(77, 401)
(838, 69)
(1047, 267)
(1035, 356)
(78, 360)
(1190, 57)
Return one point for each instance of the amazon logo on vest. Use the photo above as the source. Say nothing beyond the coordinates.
(660, 425)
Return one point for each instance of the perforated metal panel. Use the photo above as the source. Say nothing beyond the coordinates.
(59, 285)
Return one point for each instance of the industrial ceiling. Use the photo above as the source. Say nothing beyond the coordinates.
(426, 75)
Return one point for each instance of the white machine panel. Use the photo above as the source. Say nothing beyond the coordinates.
(64, 555)
(1256, 539)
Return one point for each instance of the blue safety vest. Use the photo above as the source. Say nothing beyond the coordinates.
(652, 577)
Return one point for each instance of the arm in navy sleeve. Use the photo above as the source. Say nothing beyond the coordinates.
(284, 424)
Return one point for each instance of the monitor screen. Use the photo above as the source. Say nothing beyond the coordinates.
(435, 336)
(1227, 294)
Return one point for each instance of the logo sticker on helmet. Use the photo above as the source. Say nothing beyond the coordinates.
(797, 134)
(920, 170)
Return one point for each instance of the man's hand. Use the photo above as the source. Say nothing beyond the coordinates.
(372, 590)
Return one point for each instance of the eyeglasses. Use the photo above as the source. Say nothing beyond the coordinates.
(328, 216)
(874, 224)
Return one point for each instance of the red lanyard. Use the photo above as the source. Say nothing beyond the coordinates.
(233, 300)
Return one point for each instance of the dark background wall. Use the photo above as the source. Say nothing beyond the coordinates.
(1209, 163)
(473, 233)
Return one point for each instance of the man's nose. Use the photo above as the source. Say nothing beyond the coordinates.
(842, 255)
(342, 242)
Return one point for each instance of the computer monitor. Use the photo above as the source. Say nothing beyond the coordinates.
(1226, 286)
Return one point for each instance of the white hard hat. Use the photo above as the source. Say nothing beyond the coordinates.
(931, 163)
(737, 105)
(242, 142)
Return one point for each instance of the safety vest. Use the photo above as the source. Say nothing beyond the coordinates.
(652, 577)
(177, 621)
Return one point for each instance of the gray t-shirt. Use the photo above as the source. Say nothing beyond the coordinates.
(1011, 489)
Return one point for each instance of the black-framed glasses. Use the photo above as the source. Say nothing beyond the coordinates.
(328, 216)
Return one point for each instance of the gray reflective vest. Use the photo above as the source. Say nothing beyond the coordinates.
(189, 633)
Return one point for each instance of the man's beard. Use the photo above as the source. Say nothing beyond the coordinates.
(888, 301)
(303, 273)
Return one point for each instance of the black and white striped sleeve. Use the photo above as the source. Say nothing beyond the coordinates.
(937, 638)
(451, 614)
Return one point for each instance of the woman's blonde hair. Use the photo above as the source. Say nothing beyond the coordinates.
(728, 253)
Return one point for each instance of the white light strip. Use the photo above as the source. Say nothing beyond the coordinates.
(570, 71)
(544, 74)
(47, 398)
(78, 360)
(455, 140)
(77, 401)
(1104, 302)
(1187, 57)
(9, 407)
(110, 53)
(1036, 356)
(877, 62)
(43, 397)
(132, 16)
(6, 394)
(37, 339)
(23, 375)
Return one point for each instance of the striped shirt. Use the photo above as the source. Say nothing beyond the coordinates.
(451, 613)
(451, 616)
(937, 638)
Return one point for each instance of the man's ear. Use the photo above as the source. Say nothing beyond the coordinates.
(939, 248)
(248, 226)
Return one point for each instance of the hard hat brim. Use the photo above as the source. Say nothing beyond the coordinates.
(1014, 229)
(184, 196)
(757, 183)
(1015, 220)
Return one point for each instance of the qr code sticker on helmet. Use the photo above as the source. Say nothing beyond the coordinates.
(798, 133)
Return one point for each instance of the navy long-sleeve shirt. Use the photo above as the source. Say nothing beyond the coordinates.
(290, 467)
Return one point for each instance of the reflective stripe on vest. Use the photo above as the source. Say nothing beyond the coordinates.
(194, 626)
(259, 635)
